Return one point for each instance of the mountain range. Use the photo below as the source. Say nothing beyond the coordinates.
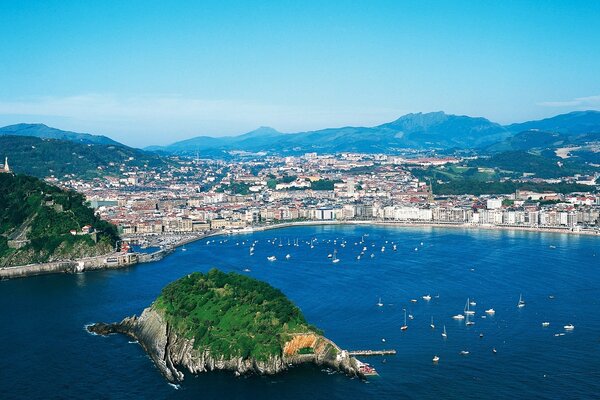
(435, 130)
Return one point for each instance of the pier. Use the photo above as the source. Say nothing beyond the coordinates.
(366, 353)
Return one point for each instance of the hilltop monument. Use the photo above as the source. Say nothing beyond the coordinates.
(5, 169)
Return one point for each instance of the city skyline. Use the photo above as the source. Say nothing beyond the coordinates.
(157, 74)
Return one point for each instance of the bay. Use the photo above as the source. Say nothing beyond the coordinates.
(46, 352)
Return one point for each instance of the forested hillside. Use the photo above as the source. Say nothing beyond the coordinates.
(36, 219)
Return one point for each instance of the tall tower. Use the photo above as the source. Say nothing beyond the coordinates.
(6, 167)
(430, 196)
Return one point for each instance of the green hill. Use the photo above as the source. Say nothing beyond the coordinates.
(548, 166)
(231, 314)
(46, 157)
(47, 132)
(36, 219)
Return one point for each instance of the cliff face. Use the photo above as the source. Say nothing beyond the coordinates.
(173, 353)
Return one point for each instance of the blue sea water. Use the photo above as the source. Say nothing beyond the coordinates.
(45, 351)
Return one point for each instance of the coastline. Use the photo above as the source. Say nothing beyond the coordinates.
(71, 266)
(430, 225)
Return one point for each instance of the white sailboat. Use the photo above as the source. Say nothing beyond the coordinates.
(404, 327)
(467, 322)
(379, 303)
(444, 334)
(335, 259)
(467, 310)
(521, 302)
(432, 324)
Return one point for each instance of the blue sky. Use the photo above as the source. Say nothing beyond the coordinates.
(146, 72)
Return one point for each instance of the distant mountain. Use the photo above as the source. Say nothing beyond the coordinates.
(574, 136)
(45, 157)
(573, 123)
(253, 140)
(46, 132)
(429, 130)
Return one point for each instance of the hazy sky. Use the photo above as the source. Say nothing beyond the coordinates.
(154, 72)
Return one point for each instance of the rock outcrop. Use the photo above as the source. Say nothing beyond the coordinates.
(172, 353)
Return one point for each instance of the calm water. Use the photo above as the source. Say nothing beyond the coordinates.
(45, 352)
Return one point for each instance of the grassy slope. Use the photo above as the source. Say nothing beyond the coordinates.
(231, 314)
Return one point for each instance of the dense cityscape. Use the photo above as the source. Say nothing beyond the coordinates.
(197, 195)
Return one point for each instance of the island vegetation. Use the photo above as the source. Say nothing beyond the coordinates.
(232, 315)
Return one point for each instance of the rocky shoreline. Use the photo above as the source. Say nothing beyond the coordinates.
(173, 354)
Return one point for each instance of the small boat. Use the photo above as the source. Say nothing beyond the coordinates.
(467, 311)
(545, 324)
(481, 335)
(367, 370)
(472, 303)
(183, 248)
(413, 300)
(329, 255)
(271, 258)
(404, 327)
(416, 249)
(358, 257)
(334, 258)
(458, 316)
(246, 269)
(432, 325)
(444, 334)
(569, 327)
(287, 256)
(410, 316)
(469, 323)
(435, 359)
(494, 350)
(559, 334)
(394, 247)
(521, 302)
(427, 297)
(372, 255)
(491, 311)
(464, 352)
(382, 249)
(379, 303)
